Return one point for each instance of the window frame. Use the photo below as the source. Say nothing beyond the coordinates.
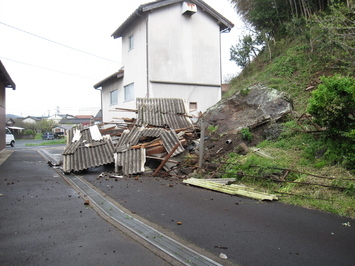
(129, 92)
(192, 106)
(131, 42)
(114, 97)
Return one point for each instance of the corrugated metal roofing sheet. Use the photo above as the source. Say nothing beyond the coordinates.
(132, 161)
(131, 138)
(170, 139)
(162, 112)
(85, 152)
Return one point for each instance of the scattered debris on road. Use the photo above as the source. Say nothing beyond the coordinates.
(223, 256)
(346, 224)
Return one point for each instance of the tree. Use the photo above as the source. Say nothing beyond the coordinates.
(270, 16)
(46, 125)
(245, 51)
(333, 34)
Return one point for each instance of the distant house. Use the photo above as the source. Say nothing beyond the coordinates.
(10, 122)
(5, 82)
(32, 119)
(62, 128)
(77, 120)
(170, 49)
(57, 117)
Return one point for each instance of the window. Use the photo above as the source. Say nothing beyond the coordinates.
(113, 97)
(131, 42)
(193, 106)
(129, 92)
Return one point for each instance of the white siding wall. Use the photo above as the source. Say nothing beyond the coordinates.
(204, 96)
(184, 48)
(108, 111)
(134, 61)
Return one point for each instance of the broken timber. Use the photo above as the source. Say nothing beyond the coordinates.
(231, 189)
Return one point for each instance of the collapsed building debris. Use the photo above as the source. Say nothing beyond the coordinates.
(153, 133)
(87, 148)
(159, 129)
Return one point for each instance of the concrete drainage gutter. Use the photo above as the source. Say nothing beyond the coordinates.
(161, 241)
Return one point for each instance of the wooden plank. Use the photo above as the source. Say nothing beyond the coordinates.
(155, 150)
(231, 189)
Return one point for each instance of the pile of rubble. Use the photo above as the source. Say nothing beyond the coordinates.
(162, 130)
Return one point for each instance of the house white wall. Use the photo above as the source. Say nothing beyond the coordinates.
(183, 49)
(108, 110)
(135, 71)
(174, 56)
(204, 96)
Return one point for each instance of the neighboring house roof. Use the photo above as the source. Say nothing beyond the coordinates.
(75, 121)
(64, 127)
(10, 121)
(117, 75)
(225, 24)
(84, 116)
(36, 118)
(5, 78)
(98, 115)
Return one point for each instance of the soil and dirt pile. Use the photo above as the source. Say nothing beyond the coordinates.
(257, 109)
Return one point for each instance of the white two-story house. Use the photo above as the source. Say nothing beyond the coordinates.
(170, 49)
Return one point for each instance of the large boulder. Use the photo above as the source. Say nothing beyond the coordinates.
(247, 108)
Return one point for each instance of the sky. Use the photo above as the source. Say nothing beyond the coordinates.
(57, 50)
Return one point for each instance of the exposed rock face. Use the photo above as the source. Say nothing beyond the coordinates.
(248, 108)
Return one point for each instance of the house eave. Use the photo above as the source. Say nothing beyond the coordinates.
(5, 78)
(116, 75)
(224, 24)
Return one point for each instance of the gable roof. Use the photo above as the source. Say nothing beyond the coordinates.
(36, 118)
(5, 78)
(224, 24)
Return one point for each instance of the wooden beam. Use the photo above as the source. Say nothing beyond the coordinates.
(166, 158)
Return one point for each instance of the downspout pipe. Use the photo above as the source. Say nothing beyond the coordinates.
(147, 55)
(101, 103)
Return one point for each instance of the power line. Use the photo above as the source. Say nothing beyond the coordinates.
(66, 46)
(53, 70)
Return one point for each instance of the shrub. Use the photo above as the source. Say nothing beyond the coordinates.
(28, 132)
(245, 132)
(333, 104)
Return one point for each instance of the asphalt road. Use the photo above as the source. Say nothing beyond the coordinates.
(43, 221)
(249, 232)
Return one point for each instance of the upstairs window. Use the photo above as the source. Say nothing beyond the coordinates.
(129, 92)
(193, 106)
(131, 42)
(113, 97)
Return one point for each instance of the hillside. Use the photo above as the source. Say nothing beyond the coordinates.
(304, 164)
